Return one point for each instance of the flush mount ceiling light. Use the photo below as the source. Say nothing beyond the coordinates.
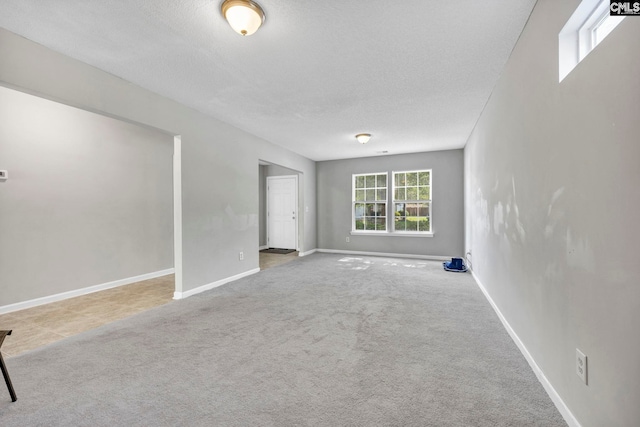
(244, 16)
(363, 138)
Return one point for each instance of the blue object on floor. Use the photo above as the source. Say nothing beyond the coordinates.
(456, 265)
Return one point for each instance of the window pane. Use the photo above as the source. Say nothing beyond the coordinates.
(424, 178)
(412, 223)
(370, 223)
(412, 186)
(370, 188)
(604, 27)
(423, 224)
(424, 193)
(412, 178)
(368, 210)
(411, 209)
(371, 181)
(412, 193)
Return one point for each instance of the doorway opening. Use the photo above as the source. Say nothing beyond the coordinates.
(281, 214)
(97, 186)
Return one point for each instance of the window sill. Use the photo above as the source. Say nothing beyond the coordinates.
(389, 234)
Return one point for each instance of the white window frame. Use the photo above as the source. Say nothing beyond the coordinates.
(597, 26)
(389, 206)
(413, 201)
(376, 201)
(587, 27)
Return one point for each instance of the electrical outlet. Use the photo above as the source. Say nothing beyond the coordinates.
(581, 365)
(348, 239)
(241, 256)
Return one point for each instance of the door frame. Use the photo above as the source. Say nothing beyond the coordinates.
(297, 248)
(177, 216)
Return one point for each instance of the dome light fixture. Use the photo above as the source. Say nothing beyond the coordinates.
(363, 138)
(244, 16)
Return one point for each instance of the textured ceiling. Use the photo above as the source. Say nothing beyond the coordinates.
(414, 73)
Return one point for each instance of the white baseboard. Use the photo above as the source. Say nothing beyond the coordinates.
(190, 292)
(261, 248)
(83, 291)
(312, 251)
(391, 255)
(553, 394)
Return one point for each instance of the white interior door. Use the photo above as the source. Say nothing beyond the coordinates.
(282, 212)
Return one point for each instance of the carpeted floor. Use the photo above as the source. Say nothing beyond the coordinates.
(325, 340)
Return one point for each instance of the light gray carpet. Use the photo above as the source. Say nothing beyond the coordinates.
(325, 340)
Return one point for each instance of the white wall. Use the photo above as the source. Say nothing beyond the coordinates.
(89, 199)
(334, 204)
(552, 200)
(219, 175)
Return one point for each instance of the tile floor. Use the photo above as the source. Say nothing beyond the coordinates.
(42, 325)
(271, 260)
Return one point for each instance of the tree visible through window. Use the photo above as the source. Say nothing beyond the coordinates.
(370, 202)
(412, 201)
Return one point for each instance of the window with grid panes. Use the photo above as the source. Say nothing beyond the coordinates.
(412, 201)
(370, 202)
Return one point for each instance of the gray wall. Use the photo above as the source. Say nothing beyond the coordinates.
(220, 179)
(334, 204)
(89, 199)
(275, 170)
(552, 200)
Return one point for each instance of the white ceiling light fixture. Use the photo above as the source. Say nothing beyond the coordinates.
(244, 16)
(363, 138)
